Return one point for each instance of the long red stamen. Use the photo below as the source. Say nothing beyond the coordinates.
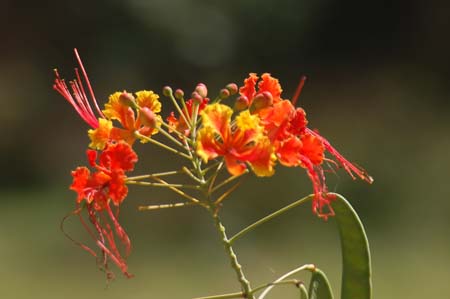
(81, 95)
(86, 78)
(83, 246)
(120, 231)
(298, 91)
(321, 199)
(78, 98)
(348, 166)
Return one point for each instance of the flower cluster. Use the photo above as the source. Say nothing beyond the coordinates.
(256, 130)
(267, 129)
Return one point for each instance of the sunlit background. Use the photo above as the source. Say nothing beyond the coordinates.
(378, 88)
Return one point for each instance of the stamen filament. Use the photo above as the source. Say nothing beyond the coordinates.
(298, 91)
(86, 78)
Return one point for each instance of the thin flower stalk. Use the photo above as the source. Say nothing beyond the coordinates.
(150, 184)
(166, 206)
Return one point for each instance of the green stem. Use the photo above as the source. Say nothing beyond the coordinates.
(159, 174)
(175, 103)
(155, 142)
(224, 296)
(303, 291)
(309, 267)
(166, 206)
(173, 130)
(245, 284)
(295, 282)
(269, 217)
(170, 137)
(228, 180)
(162, 185)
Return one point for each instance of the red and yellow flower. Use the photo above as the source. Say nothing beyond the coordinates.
(294, 144)
(99, 189)
(240, 142)
(138, 114)
(119, 108)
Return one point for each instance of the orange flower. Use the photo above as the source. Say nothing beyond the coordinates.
(240, 143)
(293, 142)
(267, 84)
(99, 189)
(145, 121)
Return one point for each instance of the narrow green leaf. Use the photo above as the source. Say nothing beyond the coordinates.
(319, 287)
(356, 267)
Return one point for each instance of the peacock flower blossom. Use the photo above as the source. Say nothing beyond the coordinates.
(295, 145)
(102, 190)
(119, 108)
(239, 142)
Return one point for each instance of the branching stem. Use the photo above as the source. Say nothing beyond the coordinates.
(245, 284)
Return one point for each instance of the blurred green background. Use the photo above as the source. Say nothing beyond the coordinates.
(378, 88)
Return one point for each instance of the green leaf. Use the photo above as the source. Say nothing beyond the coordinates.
(319, 287)
(356, 267)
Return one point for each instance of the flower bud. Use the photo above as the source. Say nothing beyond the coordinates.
(232, 88)
(262, 100)
(202, 90)
(127, 99)
(167, 91)
(197, 98)
(147, 117)
(224, 93)
(179, 94)
(241, 103)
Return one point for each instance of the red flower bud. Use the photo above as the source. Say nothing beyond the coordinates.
(232, 88)
(202, 90)
(147, 117)
(197, 98)
(241, 103)
(261, 101)
(167, 91)
(127, 99)
(224, 93)
(179, 94)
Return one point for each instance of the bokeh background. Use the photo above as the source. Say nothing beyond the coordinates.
(378, 88)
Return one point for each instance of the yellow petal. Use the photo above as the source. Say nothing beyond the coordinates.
(217, 117)
(100, 136)
(149, 99)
